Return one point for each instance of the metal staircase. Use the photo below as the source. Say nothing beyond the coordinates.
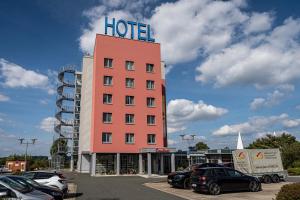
(65, 106)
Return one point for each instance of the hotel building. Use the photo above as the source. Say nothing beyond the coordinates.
(123, 109)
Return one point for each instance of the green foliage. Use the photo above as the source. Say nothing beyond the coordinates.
(270, 141)
(201, 146)
(33, 162)
(296, 163)
(294, 171)
(59, 144)
(287, 144)
(289, 192)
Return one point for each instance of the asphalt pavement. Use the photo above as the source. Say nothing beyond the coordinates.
(117, 188)
(122, 187)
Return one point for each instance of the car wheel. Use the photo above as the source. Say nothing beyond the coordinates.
(275, 179)
(267, 179)
(187, 183)
(214, 189)
(253, 186)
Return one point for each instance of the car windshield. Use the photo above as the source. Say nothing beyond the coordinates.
(15, 185)
(25, 181)
(28, 174)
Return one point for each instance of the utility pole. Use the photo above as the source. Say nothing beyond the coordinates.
(23, 141)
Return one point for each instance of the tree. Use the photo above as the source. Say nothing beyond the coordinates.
(201, 146)
(60, 144)
(287, 144)
(271, 141)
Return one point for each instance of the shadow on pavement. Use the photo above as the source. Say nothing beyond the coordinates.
(73, 195)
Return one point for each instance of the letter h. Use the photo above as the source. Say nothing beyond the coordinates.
(112, 25)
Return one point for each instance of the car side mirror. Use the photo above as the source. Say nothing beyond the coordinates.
(3, 193)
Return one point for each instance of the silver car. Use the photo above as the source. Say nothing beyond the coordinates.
(10, 189)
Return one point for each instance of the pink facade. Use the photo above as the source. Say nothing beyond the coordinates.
(141, 53)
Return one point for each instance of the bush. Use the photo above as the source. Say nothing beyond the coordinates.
(296, 164)
(289, 192)
(294, 171)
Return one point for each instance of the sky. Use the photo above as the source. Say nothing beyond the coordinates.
(232, 66)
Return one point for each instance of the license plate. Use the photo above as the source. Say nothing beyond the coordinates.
(194, 185)
(169, 180)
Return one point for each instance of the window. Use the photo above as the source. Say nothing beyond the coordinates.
(107, 117)
(107, 98)
(220, 172)
(233, 173)
(151, 138)
(149, 67)
(129, 100)
(150, 119)
(129, 65)
(107, 80)
(129, 82)
(106, 137)
(150, 85)
(129, 138)
(108, 62)
(43, 175)
(129, 118)
(150, 102)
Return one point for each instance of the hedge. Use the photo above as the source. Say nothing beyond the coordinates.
(289, 192)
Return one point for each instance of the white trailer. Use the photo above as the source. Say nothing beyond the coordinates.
(265, 164)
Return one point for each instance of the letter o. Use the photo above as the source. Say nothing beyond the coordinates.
(125, 28)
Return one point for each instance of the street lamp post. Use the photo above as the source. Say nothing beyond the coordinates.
(23, 141)
(188, 139)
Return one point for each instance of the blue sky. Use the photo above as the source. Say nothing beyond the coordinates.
(233, 66)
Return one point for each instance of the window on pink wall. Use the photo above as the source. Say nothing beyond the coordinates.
(129, 82)
(107, 117)
(108, 62)
(107, 98)
(151, 119)
(150, 84)
(106, 137)
(151, 139)
(150, 102)
(129, 138)
(129, 118)
(129, 100)
(129, 65)
(149, 68)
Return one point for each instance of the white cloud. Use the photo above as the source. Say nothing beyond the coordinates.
(273, 98)
(291, 123)
(298, 107)
(258, 22)
(16, 76)
(192, 33)
(4, 97)
(47, 124)
(183, 39)
(267, 59)
(172, 142)
(180, 112)
(258, 124)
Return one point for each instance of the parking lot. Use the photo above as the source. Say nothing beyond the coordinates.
(135, 187)
(269, 191)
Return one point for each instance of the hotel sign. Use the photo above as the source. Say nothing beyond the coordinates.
(121, 28)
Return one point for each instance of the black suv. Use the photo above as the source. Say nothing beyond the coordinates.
(220, 179)
(181, 179)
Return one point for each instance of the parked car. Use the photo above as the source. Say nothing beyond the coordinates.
(56, 193)
(181, 179)
(52, 179)
(9, 189)
(216, 180)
